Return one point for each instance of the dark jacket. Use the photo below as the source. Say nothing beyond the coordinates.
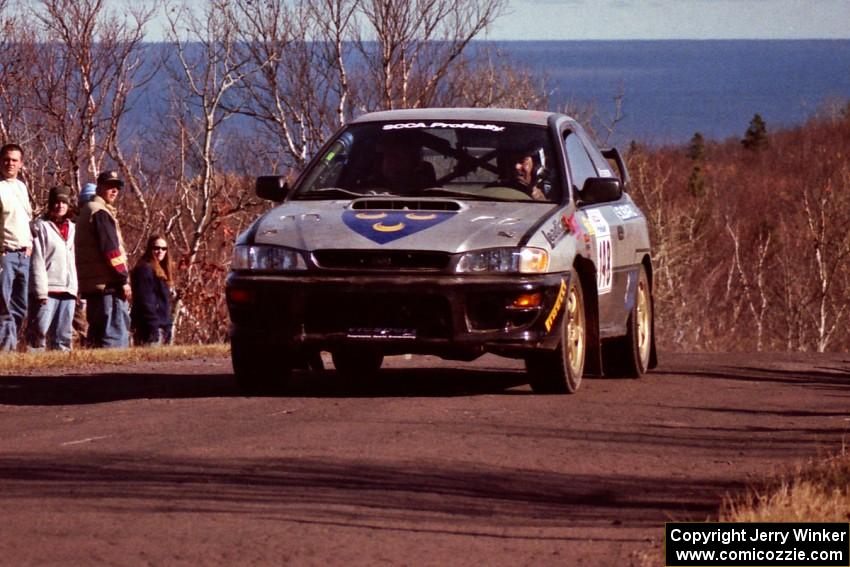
(151, 299)
(101, 260)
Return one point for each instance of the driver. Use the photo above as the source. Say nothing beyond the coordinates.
(402, 168)
(523, 170)
(398, 163)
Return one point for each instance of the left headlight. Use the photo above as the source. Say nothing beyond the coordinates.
(267, 258)
(504, 260)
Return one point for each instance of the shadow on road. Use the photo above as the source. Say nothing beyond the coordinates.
(419, 496)
(100, 388)
(418, 382)
(826, 378)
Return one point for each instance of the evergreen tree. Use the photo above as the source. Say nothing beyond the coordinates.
(755, 138)
(696, 149)
(696, 182)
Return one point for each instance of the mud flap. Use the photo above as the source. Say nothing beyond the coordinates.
(653, 356)
(593, 355)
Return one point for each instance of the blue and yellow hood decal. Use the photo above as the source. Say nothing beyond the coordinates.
(385, 226)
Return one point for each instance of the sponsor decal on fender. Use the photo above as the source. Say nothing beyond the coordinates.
(559, 302)
(383, 227)
(625, 212)
(588, 226)
(560, 227)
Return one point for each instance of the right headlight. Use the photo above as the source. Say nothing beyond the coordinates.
(504, 260)
(258, 257)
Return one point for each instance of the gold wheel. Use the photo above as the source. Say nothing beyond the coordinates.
(560, 371)
(644, 322)
(575, 331)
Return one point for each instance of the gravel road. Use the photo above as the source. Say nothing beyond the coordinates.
(429, 463)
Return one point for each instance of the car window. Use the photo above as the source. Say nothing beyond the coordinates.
(465, 160)
(581, 167)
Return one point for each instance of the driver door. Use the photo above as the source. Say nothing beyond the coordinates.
(608, 242)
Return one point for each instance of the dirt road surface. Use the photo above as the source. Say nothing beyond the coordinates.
(430, 463)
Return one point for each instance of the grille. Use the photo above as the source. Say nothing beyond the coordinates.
(381, 260)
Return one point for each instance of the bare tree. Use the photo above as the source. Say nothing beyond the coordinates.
(410, 46)
(827, 215)
(207, 68)
(679, 232)
(90, 65)
(746, 284)
(18, 52)
(488, 77)
(321, 61)
(301, 91)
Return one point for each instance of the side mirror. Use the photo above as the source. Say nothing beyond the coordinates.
(600, 190)
(271, 188)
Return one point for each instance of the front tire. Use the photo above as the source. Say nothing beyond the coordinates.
(560, 372)
(629, 356)
(256, 373)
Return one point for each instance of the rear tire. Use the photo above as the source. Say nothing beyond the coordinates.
(255, 372)
(629, 356)
(357, 363)
(560, 372)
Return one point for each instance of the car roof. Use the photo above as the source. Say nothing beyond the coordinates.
(535, 117)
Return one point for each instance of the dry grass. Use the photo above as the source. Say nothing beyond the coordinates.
(31, 361)
(818, 492)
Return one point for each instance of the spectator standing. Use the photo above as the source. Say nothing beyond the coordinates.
(80, 324)
(102, 266)
(53, 275)
(152, 283)
(15, 248)
(87, 193)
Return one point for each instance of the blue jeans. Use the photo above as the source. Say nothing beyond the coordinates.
(14, 283)
(51, 320)
(109, 321)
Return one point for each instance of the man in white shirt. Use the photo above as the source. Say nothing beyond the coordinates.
(15, 246)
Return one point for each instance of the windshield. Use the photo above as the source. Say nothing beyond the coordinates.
(464, 160)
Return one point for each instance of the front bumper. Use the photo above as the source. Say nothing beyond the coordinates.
(459, 317)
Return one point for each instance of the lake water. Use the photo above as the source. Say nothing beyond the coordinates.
(675, 88)
(671, 89)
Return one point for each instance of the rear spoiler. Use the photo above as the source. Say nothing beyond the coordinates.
(614, 155)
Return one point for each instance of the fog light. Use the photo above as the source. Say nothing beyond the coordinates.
(526, 301)
(236, 295)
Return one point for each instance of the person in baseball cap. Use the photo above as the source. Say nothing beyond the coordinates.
(110, 178)
(102, 268)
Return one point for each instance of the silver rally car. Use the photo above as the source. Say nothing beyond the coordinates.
(452, 232)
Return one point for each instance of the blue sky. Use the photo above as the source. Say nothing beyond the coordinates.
(660, 19)
(674, 19)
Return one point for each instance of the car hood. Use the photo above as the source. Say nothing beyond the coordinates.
(445, 225)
